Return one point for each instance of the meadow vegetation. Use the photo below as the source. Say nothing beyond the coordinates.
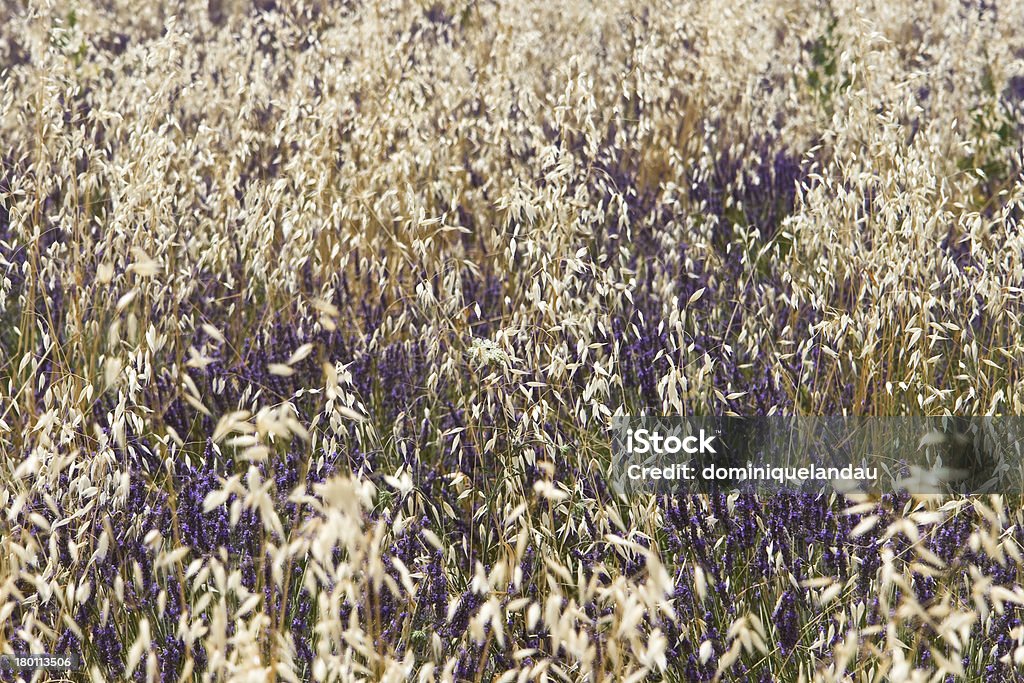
(313, 316)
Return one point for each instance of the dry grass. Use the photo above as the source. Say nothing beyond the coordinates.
(373, 279)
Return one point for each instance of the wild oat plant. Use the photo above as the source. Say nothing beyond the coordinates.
(314, 315)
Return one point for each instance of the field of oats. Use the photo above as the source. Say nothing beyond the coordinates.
(313, 316)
